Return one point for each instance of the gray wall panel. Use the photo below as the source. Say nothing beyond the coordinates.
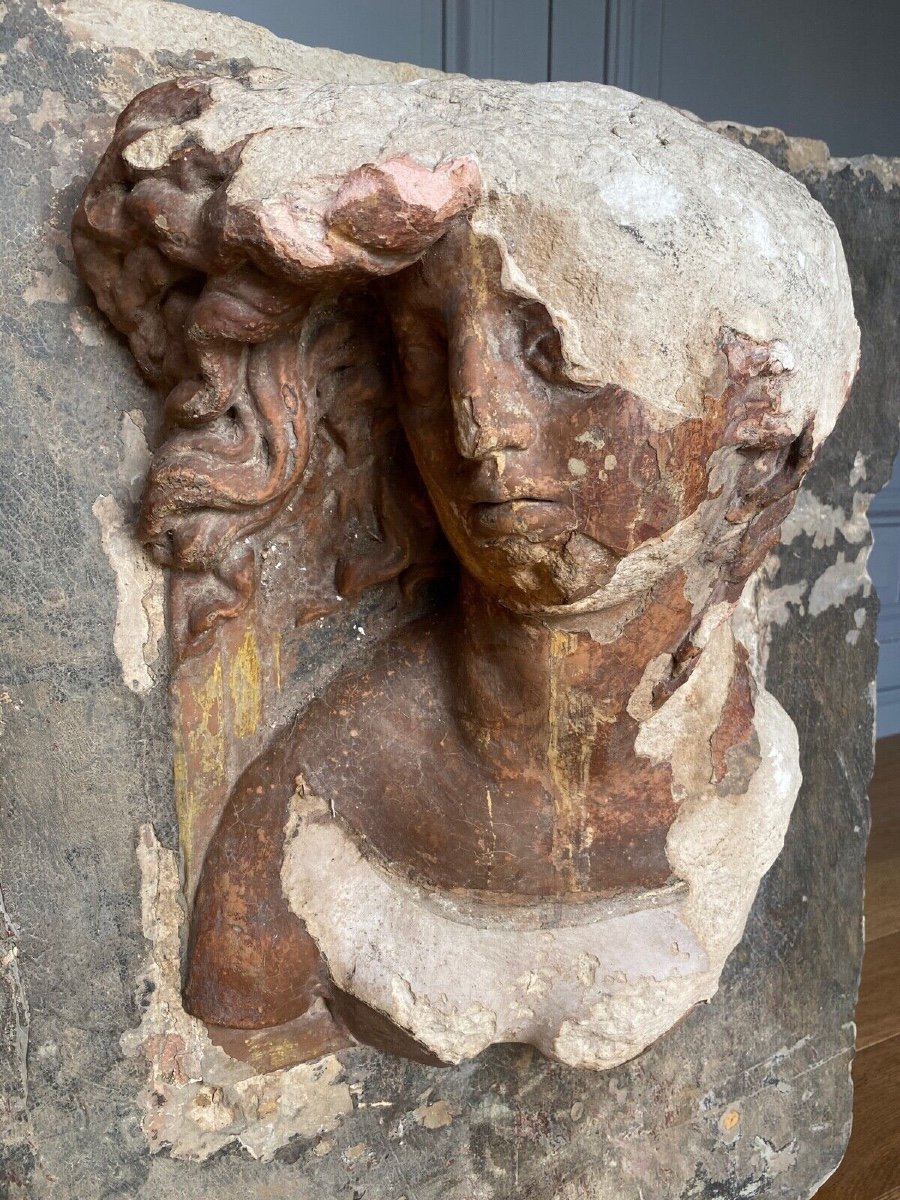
(635, 45)
(469, 37)
(521, 39)
(814, 68)
(499, 39)
(396, 30)
(578, 40)
(884, 567)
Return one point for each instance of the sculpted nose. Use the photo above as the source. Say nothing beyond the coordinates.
(490, 407)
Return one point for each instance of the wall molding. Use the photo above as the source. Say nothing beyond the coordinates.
(468, 36)
(634, 45)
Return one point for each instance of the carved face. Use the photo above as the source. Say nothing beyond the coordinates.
(541, 485)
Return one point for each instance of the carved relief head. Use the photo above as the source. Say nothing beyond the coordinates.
(576, 361)
(545, 484)
(567, 345)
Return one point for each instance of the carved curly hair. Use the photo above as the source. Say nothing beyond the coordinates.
(262, 352)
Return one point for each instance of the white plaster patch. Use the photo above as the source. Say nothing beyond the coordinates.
(593, 437)
(710, 622)
(433, 1116)
(821, 522)
(197, 1099)
(86, 326)
(844, 578)
(8, 103)
(51, 109)
(135, 461)
(151, 151)
(760, 234)
(398, 948)
(776, 1161)
(640, 196)
(51, 281)
(858, 470)
(140, 607)
(761, 608)
(859, 619)
(775, 604)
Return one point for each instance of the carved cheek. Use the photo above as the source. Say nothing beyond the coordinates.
(429, 432)
(629, 481)
(626, 502)
(613, 472)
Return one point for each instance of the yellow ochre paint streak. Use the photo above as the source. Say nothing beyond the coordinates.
(199, 760)
(566, 800)
(184, 807)
(207, 739)
(245, 685)
(489, 852)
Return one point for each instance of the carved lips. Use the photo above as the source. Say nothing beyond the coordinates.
(538, 520)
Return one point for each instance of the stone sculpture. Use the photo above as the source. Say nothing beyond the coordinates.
(546, 366)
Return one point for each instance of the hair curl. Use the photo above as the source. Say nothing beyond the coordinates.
(263, 366)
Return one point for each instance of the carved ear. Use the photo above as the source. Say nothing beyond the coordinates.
(775, 467)
(774, 470)
(774, 457)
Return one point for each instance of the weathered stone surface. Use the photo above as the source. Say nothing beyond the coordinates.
(750, 1095)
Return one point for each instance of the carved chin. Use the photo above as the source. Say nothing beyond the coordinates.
(531, 576)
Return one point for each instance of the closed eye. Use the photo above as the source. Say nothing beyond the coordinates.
(542, 349)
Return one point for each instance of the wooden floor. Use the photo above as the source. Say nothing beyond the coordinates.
(871, 1169)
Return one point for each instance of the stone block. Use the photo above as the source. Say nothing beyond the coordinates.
(749, 1095)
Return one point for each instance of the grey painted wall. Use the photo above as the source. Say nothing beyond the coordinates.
(884, 567)
(815, 68)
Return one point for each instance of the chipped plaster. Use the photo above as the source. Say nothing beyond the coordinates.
(198, 1100)
(140, 607)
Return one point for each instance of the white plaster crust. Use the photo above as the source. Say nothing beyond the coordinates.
(140, 592)
(197, 1099)
(642, 231)
(600, 983)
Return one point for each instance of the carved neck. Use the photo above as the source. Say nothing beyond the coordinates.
(526, 689)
